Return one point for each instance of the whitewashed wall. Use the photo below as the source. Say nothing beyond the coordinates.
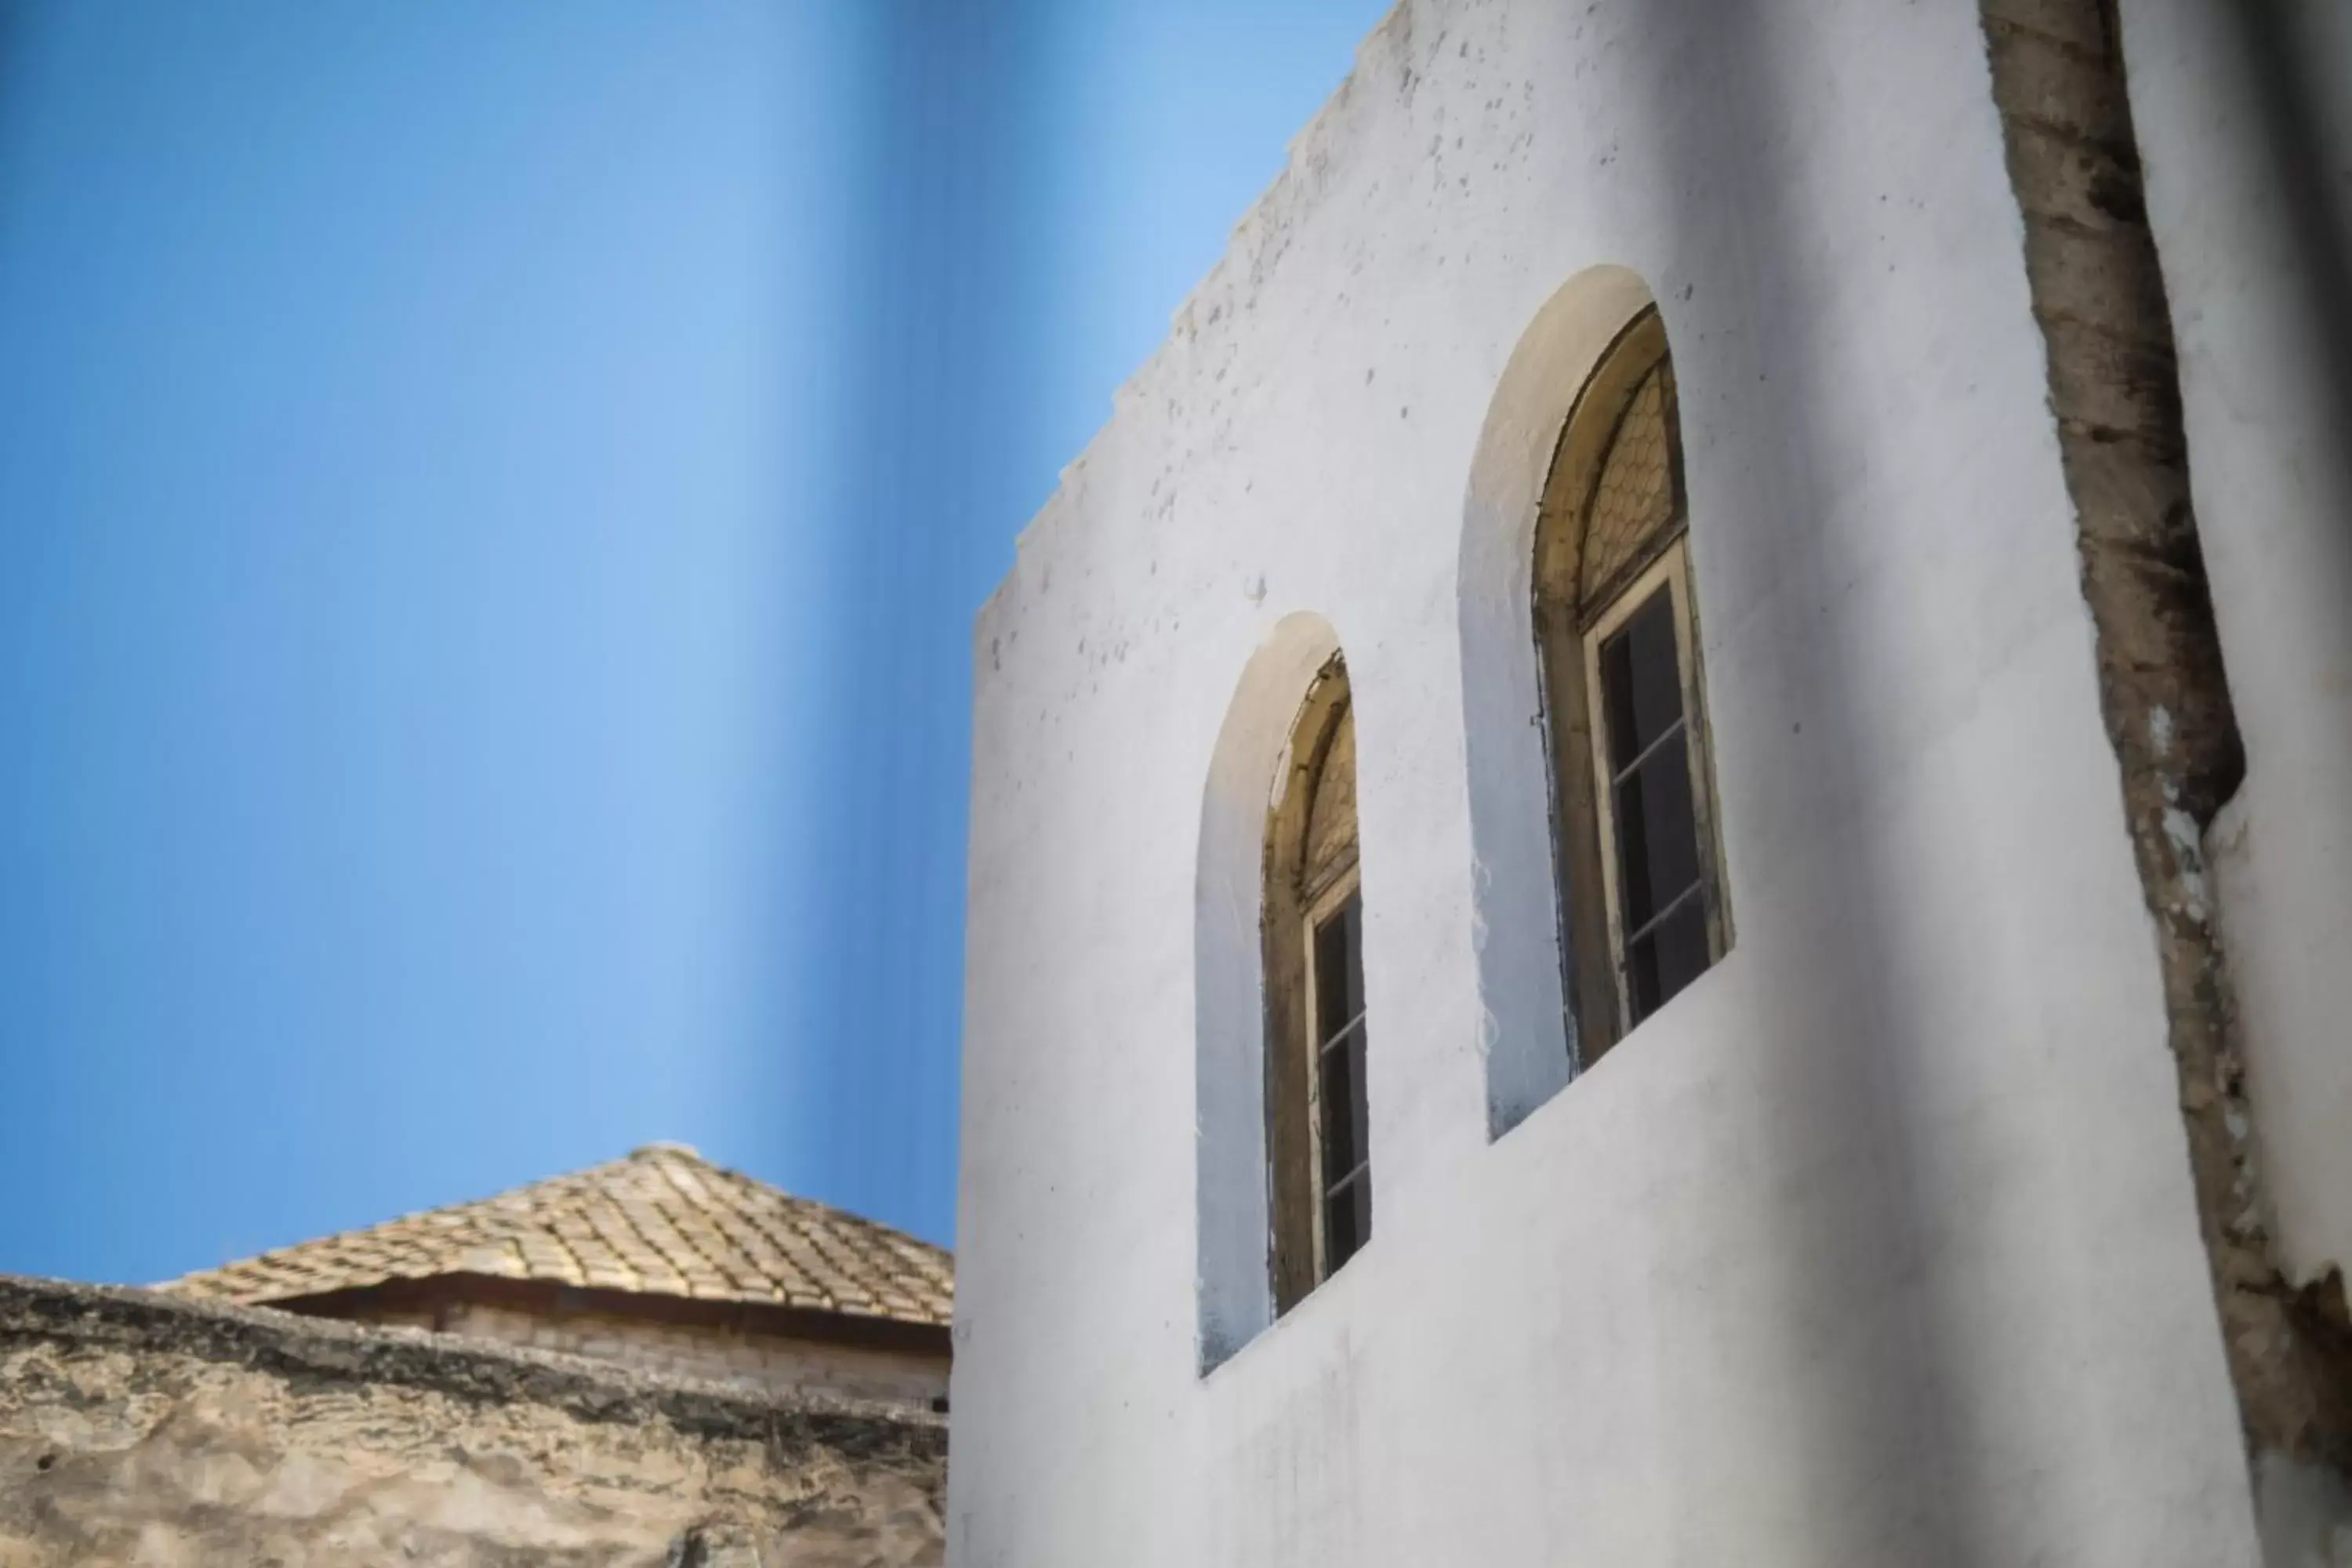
(1877, 1245)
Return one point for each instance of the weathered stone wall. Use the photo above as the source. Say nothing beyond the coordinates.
(2058, 72)
(137, 1430)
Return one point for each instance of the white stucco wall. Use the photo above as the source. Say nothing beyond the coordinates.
(2244, 120)
(1877, 1244)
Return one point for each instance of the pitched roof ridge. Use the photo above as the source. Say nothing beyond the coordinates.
(661, 1220)
(439, 1213)
(701, 1204)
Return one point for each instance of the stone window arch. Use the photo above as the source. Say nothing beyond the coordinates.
(1634, 821)
(1318, 1124)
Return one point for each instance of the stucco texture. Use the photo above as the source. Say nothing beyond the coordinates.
(1877, 1244)
(137, 1430)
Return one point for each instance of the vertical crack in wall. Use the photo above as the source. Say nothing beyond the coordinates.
(2098, 293)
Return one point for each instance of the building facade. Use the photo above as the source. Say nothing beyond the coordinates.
(1657, 864)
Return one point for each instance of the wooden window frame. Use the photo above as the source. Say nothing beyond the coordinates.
(1670, 571)
(1300, 892)
(1571, 623)
(1341, 884)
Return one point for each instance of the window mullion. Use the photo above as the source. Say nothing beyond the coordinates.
(1656, 920)
(1341, 1034)
(1682, 722)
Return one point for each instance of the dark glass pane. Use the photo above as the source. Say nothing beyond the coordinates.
(1657, 833)
(1338, 969)
(1346, 1113)
(1347, 1222)
(1640, 679)
(1343, 1094)
(1672, 955)
(1359, 1110)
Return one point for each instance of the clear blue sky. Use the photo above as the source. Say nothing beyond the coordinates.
(492, 500)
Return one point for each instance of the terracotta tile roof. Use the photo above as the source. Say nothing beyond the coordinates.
(663, 1221)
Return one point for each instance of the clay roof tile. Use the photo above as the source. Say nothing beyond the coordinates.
(663, 1221)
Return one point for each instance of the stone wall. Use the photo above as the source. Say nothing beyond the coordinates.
(137, 1430)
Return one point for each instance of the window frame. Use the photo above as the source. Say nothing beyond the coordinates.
(1571, 616)
(1670, 570)
(1344, 883)
(1302, 889)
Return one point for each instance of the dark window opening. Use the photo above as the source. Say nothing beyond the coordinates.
(1642, 901)
(1318, 1139)
(1345, 1131)
(1661, 912)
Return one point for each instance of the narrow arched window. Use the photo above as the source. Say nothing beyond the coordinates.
(1634, 823)
(1318, 1124)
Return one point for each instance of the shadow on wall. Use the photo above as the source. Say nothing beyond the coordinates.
(1893, 1393)
(2281, 52)
(1883, 1444)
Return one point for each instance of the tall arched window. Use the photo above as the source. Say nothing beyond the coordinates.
(1318, 1133)
(1634, 821)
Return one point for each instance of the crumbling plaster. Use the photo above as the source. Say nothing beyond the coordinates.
(1879, 1241)
(2247, 139)
(2060, 78)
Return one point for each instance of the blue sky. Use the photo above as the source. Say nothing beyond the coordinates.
(492, 500)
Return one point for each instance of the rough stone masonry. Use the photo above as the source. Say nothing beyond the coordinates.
(138, 1429)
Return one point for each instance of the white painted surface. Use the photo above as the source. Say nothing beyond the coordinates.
(2268, 409)
(1876, 1245)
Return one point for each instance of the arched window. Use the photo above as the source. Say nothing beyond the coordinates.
(1318, 1133)
(1634, 821)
